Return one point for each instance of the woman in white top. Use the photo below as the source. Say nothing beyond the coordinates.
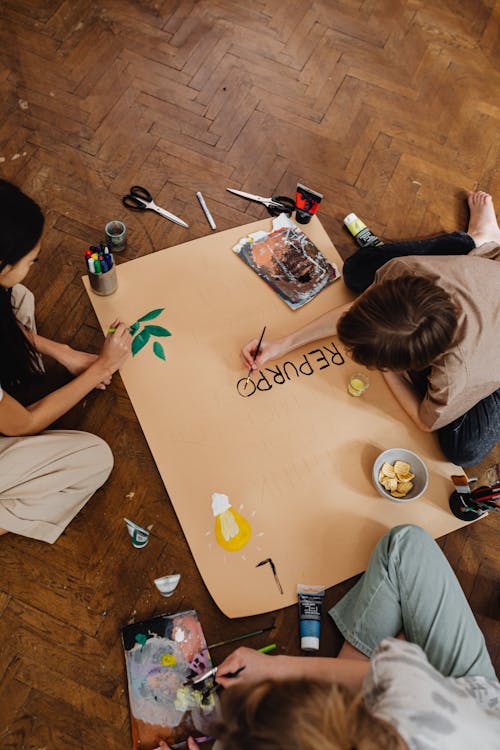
(413, 673)
(45, 476)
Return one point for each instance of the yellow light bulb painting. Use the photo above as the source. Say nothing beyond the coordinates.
(232, 531)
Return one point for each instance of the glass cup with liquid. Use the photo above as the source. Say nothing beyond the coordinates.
(358, 383)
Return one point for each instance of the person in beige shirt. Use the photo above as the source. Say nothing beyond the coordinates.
(428, 317)
(46, 476)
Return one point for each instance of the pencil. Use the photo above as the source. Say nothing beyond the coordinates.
(255, 355)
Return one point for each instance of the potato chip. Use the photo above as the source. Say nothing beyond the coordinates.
(388, 470)
(405, 477)
(404, 487)
(398, 494)
(401, 467)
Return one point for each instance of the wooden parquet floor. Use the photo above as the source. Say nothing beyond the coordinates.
(389, 108)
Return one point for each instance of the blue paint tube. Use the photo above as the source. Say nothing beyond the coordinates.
(310, 603)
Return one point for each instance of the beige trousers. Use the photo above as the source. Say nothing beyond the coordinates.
(46, 479)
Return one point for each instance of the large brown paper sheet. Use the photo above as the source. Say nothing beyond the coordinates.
(294, 457)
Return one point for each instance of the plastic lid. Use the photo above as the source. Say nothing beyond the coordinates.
(309, 643)
(350, 218)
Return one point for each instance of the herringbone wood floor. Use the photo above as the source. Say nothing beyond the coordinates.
(389, 108)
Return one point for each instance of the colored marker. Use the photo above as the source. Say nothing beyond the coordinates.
(91, 262)
(199, 740)
(97, 266)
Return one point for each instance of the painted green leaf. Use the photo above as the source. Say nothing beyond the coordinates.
(159, 350)
(134, 328)
(140, 340)
(157, 331)
(151, 315)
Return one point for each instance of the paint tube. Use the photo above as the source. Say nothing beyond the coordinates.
(310, 602)
(307, 203)
(364, 237)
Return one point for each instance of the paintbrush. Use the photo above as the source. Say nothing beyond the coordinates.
(239, 637)
(256, 354)
(212, 672)
(177, 745)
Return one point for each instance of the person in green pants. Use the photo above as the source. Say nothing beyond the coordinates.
(414, 671)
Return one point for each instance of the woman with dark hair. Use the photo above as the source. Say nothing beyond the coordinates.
(414, 671)
(429, 318)
(45, 479)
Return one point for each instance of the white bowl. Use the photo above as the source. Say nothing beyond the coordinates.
(418, 468)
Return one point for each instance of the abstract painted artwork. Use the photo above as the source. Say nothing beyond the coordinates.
(288, 261)
(161, 654)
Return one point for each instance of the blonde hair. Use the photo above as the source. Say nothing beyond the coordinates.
(301, 715)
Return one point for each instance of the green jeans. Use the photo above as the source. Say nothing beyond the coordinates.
(409, 586)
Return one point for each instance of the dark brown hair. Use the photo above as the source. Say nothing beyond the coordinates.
(21, 225)
(399, 324)
(301, 715)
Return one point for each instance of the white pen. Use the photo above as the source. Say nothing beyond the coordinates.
(205, 210)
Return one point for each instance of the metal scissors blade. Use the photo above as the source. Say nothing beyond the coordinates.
(251, 197)
(167, 214)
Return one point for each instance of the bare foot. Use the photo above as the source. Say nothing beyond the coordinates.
(483, 225)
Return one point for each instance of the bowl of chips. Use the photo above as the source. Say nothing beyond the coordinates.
(400, 475)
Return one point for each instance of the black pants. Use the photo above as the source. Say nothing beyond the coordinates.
(468, 439)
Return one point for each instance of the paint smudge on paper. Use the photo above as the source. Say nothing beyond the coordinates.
(269, 561)
(232, 531)
(143, 332)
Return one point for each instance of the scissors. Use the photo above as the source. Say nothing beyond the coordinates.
(140, 199)
(277, 204)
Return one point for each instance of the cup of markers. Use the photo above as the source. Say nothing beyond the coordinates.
(101, 269)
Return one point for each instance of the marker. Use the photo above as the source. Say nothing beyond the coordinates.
(199, 740)
(91, 265)
(97, 266)
(255, 356)
(206, 211)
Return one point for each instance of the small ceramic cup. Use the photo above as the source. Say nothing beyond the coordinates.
(116, 235)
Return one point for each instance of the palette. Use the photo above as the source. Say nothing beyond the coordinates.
(293, 452)
(161, 654)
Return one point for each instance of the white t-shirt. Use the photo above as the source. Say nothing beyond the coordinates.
(430, 711)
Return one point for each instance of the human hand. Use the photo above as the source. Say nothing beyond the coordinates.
(251, 665)
(269, 350)
(116, 348)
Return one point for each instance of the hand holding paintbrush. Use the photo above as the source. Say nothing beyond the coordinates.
(255, 355)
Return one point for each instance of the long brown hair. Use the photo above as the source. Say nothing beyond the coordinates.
(301, 715)
(399, 324)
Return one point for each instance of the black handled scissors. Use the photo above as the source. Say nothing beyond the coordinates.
(277, 204)
(140, 199)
